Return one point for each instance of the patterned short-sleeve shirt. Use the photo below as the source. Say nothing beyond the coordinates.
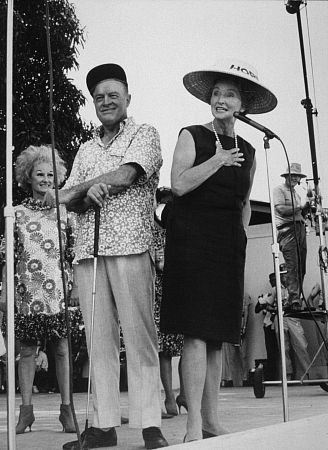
(126, 219)
(282, 196)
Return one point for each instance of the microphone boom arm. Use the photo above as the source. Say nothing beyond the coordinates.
(269, 134)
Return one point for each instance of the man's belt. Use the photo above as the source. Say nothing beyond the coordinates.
(289, 224)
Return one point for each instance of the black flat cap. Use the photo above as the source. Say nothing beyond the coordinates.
(105, 72)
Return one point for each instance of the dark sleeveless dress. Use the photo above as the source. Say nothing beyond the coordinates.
(203, 281)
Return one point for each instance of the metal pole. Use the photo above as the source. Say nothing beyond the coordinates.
(275, 252)
(292, 8)
(307, 103)
(61, 250)
(90, 347)
(9, 220)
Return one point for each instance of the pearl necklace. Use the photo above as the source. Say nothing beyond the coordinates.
(218, 139)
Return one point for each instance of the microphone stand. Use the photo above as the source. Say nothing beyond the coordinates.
(275, 253)
(293, 7)
(9, 214)
(268, 134)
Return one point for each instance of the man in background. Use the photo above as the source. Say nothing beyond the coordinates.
(295, 340)
(290, 223)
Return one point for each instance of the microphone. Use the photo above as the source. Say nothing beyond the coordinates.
(292, 6)
(270, 134)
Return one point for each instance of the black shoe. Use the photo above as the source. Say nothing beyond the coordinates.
(94, 438)
(166, 415)
(153, 438)
(207, 434)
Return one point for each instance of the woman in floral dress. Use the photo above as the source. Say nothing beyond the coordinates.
(39, 290)
(169, 345)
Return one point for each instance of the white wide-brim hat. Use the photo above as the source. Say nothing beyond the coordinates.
(259, 98)
(295, 169)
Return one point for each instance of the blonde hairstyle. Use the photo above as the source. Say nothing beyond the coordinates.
(29, 157)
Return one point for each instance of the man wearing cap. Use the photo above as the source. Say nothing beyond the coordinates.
(118, 170)
(290, 225)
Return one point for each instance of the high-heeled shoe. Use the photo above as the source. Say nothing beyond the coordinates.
(181, 401)
(171, 409)
(26, 418)
(66, 419)
(191, 440)
(207, 434)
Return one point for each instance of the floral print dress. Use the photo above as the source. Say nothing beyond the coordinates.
(170, 344)
(39, 292)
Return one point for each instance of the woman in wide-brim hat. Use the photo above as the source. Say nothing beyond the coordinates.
(211, 179)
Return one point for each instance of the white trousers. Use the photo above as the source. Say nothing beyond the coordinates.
(125, 292)
(295, 341)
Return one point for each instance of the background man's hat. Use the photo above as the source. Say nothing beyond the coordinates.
(283, 268)
(295, 169)
(105, 72)
(259, 98)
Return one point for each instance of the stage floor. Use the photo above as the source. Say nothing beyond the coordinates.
(241, 414)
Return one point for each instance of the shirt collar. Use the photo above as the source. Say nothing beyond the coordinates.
(100, 131)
